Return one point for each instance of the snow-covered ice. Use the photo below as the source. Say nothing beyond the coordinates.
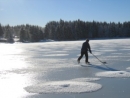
(70, 86)
(113, 74)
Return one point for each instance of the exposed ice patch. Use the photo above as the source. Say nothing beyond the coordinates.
(78, 85)
(114, 74)
(107, 50)
(116, 53)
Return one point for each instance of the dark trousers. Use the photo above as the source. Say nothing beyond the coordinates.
(86, 56)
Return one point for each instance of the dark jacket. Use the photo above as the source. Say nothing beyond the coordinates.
(85, 47)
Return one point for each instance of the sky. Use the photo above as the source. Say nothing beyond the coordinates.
(40, 12)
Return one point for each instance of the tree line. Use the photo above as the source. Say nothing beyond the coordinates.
(25, 33)
(65, 30)
(75, 30)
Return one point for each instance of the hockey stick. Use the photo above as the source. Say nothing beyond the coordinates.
(100, 60)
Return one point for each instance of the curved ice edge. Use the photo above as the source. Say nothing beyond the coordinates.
(70, 86)
(85, 79)
(114, 74)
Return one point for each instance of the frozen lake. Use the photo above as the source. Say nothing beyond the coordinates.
(50, 70)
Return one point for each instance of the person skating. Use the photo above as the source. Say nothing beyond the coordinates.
(84, 51)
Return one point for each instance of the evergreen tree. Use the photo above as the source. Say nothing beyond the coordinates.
(9, 34)
(22, 35)
(1, 31)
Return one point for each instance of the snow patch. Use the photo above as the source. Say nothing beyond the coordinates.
(114, 74)
(128, 68)
(78, 85)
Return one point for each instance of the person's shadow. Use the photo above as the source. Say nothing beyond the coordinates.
(103, 67)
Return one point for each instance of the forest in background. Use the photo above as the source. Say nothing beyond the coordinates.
(64, 30)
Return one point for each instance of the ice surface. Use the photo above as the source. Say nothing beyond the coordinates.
(114, 74)
(78, 85)
(51, 67)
